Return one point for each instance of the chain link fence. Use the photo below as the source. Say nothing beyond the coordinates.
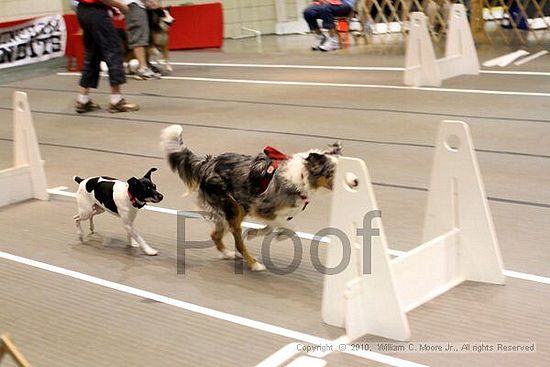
(508, 21)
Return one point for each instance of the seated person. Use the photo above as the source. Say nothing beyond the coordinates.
(326, 10)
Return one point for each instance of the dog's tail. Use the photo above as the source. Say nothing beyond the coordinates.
(77, 179)
(179, 157)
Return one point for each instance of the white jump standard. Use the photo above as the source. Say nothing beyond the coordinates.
(26, 179)
(460, 243)
(421, 66)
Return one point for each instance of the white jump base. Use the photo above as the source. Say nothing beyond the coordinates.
(26, 179)
(421, 66)
(460, 243)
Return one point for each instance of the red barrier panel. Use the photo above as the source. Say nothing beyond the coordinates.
(197, 26)
(14, 22)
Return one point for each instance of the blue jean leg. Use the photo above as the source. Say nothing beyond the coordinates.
(325, 12)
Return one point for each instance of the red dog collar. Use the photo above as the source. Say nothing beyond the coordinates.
(135, 202)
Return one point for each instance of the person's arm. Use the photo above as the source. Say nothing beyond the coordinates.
(152, 4)
(119, 4)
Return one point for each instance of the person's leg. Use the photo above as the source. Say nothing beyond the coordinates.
(311, 14)
(328, 14)
(139, 53)
(137, 23)
(111, 51)
(92, 58)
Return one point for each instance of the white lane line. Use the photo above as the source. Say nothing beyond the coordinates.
(504, 60)
(348, 85)
(281, 66)
(331, 67)
(253, 324)
(525, 276)
(60, 191)
(303, 235)
(281, 356)
(531, 58)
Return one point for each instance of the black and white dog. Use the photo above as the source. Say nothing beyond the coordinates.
(270, 186)
(123, 199)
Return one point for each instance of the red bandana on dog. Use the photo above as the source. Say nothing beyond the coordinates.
(276, 158)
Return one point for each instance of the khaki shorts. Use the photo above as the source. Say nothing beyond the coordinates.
(138, 27)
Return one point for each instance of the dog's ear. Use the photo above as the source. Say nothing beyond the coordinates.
(334, 148)
(148, 174)
(133, 181)
(316, 158)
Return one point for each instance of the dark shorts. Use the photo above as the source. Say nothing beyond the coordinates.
(101, 43)
(138, 27)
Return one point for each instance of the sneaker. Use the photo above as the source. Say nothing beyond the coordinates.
(154, 69)
(123, 106)
(333, 43)
(86, 107)
(146, 74)
(319, 41)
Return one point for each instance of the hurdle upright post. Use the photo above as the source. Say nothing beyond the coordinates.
(421, 66)
(26, 179)
(460, 243)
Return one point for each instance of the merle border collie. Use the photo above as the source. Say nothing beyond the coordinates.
(270, 186)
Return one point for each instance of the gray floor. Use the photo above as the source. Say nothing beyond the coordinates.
(61, 321)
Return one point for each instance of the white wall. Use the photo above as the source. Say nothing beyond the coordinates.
(255, 14)
(20, 9)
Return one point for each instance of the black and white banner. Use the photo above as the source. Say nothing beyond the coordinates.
(37, 40)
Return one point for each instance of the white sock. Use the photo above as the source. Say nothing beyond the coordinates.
(115, 98)
(83, 98)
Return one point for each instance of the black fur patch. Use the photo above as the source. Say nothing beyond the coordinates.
(319, 166)
(103, 192)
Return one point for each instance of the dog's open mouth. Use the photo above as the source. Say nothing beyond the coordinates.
(154, 200)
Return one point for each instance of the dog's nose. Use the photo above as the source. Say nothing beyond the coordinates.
(160, 196)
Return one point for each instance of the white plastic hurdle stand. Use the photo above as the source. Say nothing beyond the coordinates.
(421, 66)
(26, 179)
(459, 243)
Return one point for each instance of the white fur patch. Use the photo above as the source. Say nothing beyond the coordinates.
(171, 139)
(167, 18)
(228, 255)
(295, 171)
(258, 267)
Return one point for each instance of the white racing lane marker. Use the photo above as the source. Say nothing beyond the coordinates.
(525, 276)
(505, 59)
(531, 58)
(282, 66)
(303, 235)
(349, 85)
(59, 191)
(253, 324)
(358, 68)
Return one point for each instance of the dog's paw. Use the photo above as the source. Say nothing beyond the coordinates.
(169, 68)
(133, 243)
(257, 266)
(150, 251)
(228, 255)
